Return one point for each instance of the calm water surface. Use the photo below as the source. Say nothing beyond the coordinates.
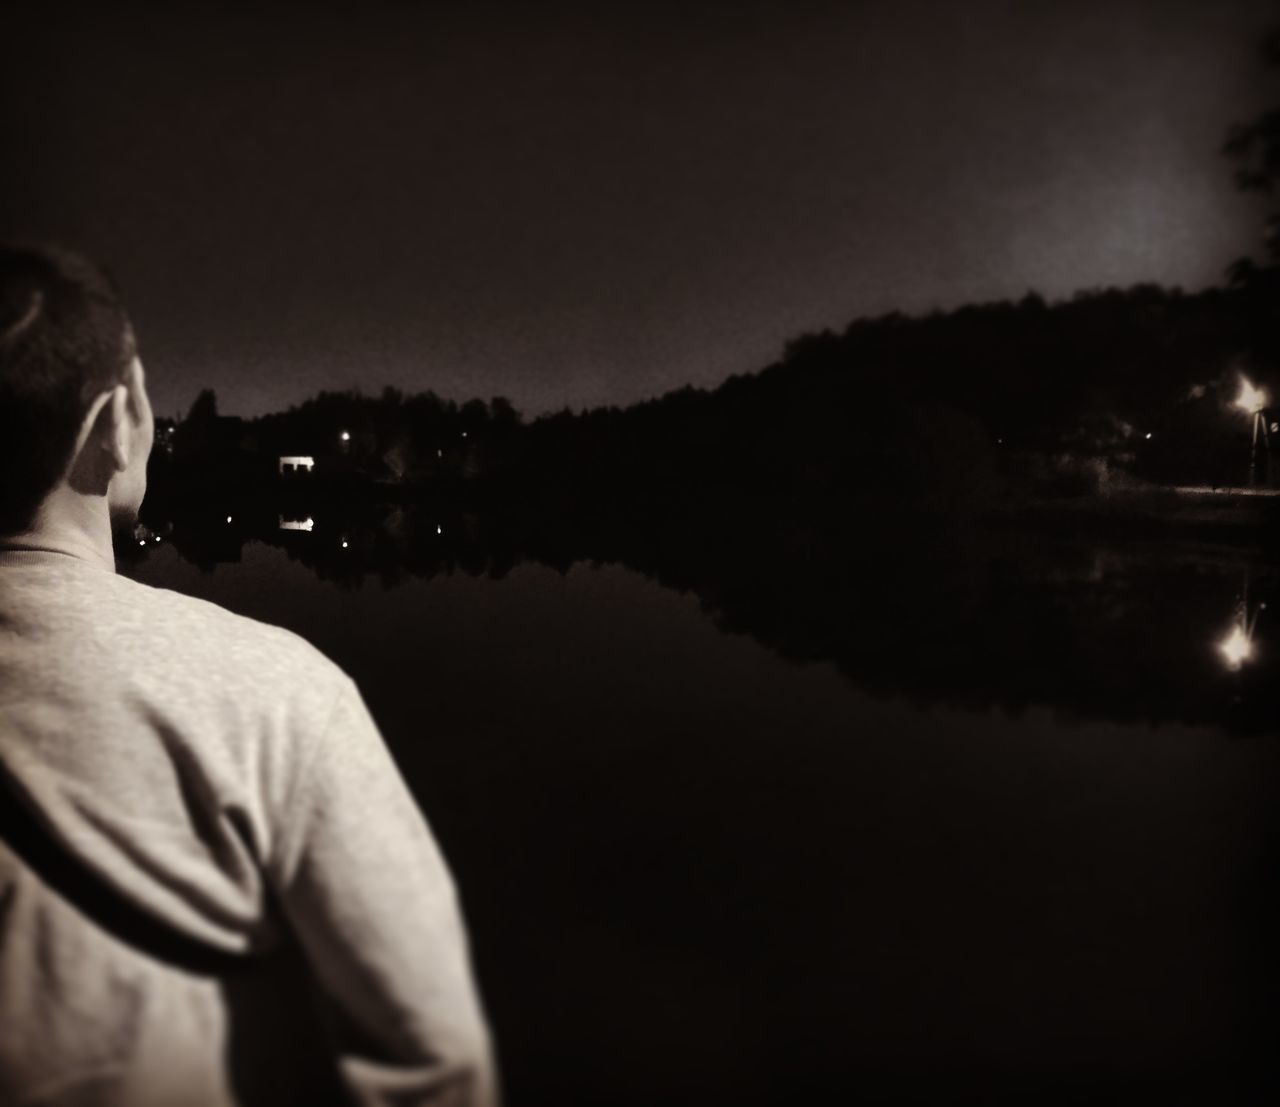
(699, 872)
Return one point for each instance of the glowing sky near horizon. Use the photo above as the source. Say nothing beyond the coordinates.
(579, 205)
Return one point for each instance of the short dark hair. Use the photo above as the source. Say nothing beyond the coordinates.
(64, 339)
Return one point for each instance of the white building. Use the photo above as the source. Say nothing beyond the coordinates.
(292, 465)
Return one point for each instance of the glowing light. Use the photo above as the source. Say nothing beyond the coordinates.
(228, 518)
(157, 539)
(1251, 399)
(439, 529)
(1236, 648)
(142, 541)
(1147, 435)
(345, 436)
(307, 524)
(344, 543)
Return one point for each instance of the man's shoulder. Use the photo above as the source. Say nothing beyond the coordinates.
(181, 632)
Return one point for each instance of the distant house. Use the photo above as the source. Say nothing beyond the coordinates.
(291, 465)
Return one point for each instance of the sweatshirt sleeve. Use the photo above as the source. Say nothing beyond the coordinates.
(363, 885)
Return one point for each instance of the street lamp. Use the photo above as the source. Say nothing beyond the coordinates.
(1253, 402)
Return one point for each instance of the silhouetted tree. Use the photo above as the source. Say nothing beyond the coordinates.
(1255, 149)
(204, 409)
(503, 413)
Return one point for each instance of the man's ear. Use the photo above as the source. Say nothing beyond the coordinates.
(107, 424)
(120, 439)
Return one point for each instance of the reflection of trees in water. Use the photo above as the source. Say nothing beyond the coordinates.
(937, 610)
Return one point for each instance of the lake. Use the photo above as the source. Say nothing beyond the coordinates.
(989, 819)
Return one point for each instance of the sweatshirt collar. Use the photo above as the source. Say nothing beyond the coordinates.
(16, 554)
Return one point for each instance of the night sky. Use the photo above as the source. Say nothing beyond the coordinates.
(584, 205)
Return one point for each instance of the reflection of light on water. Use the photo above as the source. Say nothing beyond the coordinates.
(307, 524)
(1236, 647)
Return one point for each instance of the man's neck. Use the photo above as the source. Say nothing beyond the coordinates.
(72, 523)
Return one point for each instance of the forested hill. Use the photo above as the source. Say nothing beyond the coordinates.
(952, 408)
(1138, 380)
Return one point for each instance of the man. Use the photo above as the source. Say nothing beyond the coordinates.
(215, 887)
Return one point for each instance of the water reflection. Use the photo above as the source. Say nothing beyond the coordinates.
(1238, 646)
(968, 615)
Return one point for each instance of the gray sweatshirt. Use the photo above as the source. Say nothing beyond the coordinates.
(215, 887)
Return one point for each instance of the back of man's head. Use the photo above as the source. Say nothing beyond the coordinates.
(64, 338)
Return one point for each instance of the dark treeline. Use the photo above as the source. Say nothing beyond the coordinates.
(954, 411)
(390, 438)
